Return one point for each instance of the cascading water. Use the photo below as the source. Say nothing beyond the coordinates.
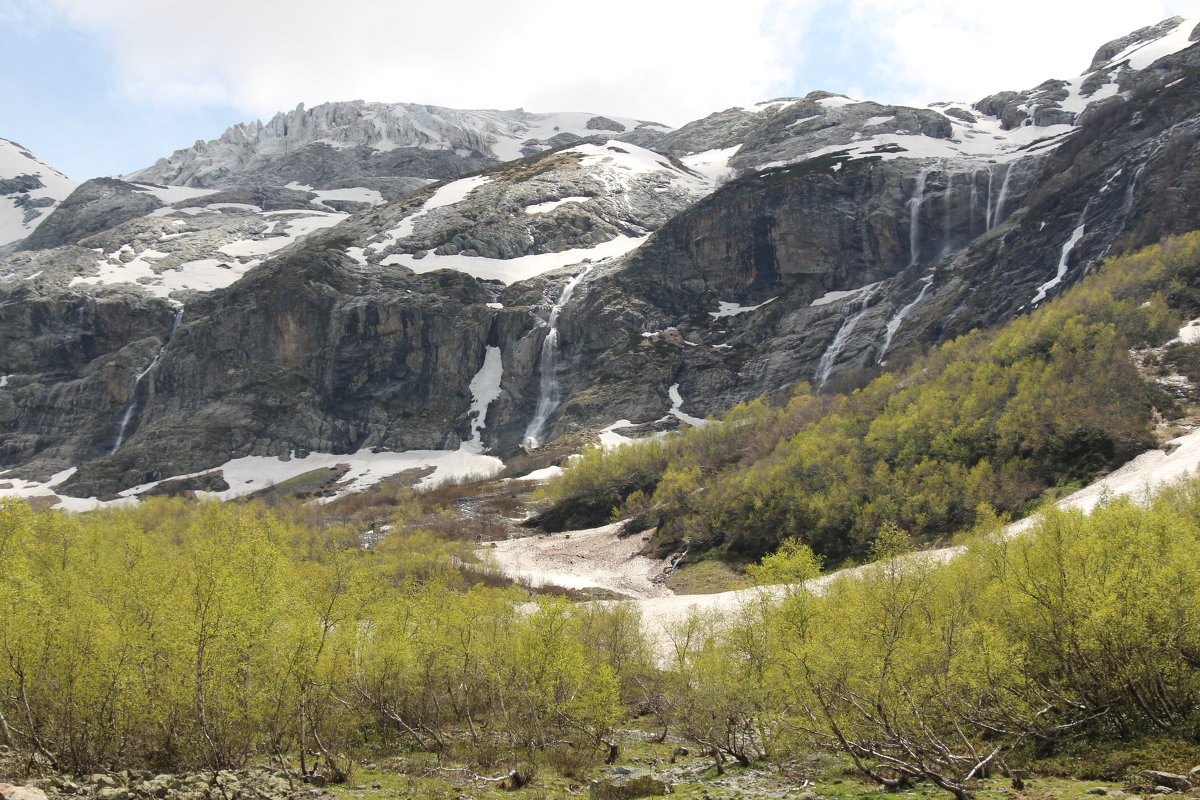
(974, 204)
(893, 324)
(914, 216)
(854, 312)
(991, 177)
(549, 390)
(131, 409)
(947, 208)
(1008, 171)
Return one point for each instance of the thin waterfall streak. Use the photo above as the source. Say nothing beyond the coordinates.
(914, 216)
(549, 390)
(893, 324)
(991, 177)
(855, 310)
(137, 382)
(1003, 195)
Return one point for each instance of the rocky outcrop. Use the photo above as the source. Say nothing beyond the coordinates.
(97, 205)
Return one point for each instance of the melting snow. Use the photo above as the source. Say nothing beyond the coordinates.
(837, 101)
(226, 264)
(356, 194)
(833, 297)
(512, 270)
(1188, 334)
(251, 473)
(732, 309)
(173, 194)
(609, 438)
(1076, 235)
(713, 164)
(677, 408)
(485, 388)
(16, 160)
(1151, 468)
(623, 156)
(550, 205)
(543, 474)
(448, 195)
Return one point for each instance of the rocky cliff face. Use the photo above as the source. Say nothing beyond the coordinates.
(260, 296)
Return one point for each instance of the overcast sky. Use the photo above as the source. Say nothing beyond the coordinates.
(100, 87)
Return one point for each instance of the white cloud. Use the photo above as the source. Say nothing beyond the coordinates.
(955, 50)
(671, 61)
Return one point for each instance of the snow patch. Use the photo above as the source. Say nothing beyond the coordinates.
(1076, 235)
(550, 205)
(485, 388)
(609, 438)
(727, 309)
(543, 474)
(677, 408)
(833, 297)
(448, 195)
(511, 270)
(713, 164)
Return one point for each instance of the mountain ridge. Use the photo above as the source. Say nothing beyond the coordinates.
(811, 238)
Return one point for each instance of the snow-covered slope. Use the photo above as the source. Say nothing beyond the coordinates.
(29, 190)
(998, 129)
(381, 129)
(592, 201)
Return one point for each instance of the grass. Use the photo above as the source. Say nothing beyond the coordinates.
(705, 577)
(561, 774)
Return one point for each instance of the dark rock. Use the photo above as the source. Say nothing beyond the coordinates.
(95, 206)
(604, 124)
(1169, 780)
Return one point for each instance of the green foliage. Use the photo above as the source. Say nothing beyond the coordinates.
(998, 417)
(1079, 636)
(177, 635)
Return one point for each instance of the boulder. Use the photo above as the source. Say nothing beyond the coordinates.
(1169, 780)
(10, 792)
(622, 784)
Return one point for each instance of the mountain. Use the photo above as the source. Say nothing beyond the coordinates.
(367, 279)
(30, 189)
(391, 147)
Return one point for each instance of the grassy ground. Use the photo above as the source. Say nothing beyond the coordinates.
(692, 777)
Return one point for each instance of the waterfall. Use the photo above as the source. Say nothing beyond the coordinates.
(991, 177)
(893, 324)
(133, 395)
(549, 390)
(1008, 171)
(1127, 204)
(974, 204)
(854, 312)
(947, 218)
(914, 216)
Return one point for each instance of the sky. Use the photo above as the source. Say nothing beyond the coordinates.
(103, 87)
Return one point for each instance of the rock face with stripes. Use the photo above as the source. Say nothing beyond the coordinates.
(337, 279)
